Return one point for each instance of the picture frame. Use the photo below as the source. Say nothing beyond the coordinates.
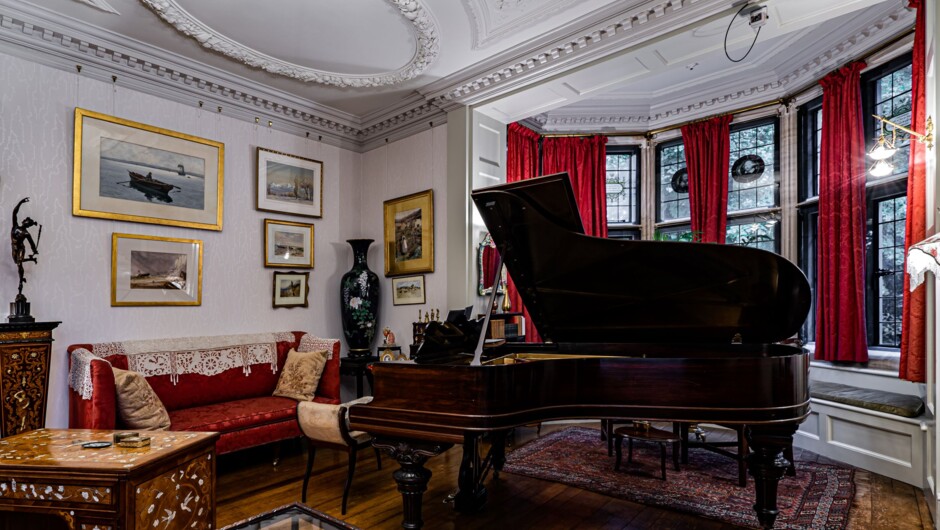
(409, 234)
(408, 290)
(289, 184)
(155, 271)
(288, 244)
(130, 171)
(291, 289)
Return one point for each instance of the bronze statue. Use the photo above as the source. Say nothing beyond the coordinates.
(19, 237)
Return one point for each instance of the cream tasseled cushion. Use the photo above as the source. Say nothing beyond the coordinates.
(320, 421)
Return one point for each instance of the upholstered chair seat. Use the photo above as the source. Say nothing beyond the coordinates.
(327, 425)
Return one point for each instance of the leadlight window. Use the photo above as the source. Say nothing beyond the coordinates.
(623, 185)
(673, 192)
(753, 232)
(890, 97)
(747, 191)
(890, 217)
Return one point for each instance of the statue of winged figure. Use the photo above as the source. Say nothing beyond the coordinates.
(19, 239)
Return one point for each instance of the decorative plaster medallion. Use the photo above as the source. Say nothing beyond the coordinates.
(100, 4)
(413, 11)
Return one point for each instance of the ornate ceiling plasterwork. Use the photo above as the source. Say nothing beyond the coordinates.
(100, 4)
(413, 11)
(493, 20)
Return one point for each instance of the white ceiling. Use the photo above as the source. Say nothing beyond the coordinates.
(359, 70)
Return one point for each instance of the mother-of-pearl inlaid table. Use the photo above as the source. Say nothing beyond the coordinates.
(169, 485)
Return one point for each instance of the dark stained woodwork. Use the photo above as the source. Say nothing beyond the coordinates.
(25, 350)
(638, 329)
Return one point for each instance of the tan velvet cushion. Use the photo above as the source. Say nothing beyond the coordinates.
(138, 405)
(301, 375)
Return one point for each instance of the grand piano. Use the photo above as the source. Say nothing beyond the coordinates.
(653, 330)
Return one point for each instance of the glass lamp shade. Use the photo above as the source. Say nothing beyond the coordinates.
(881, 151)
(882, 168)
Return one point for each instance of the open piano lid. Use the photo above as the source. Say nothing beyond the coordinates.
(580, 288)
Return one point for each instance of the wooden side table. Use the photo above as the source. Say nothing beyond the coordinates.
(646, 434)
(358, 367)
(170, 484)
(25, 351)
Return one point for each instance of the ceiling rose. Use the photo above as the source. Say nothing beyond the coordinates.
(414, 13)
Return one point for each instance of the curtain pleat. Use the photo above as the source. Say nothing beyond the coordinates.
(522, 163)
(840, 315)
(913, 327)
(707, 148)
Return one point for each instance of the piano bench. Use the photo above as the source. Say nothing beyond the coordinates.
(647, 434)
(865, 398)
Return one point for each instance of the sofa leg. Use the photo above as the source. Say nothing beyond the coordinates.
(311, 454)
(349, 476)
(378, 458)
(276, 448)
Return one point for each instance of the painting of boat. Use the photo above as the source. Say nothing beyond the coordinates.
(147, 181)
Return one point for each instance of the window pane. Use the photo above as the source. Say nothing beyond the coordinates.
(675, 233)
(892, 100)
(758, 234)
(672, 204)
(747, 192)
(889, 269)
(622, 188)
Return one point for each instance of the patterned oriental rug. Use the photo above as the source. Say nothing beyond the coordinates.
(818, 497)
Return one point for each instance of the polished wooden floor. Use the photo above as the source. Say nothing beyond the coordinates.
(248, 484)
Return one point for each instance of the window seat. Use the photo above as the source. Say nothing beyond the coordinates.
(866, 398)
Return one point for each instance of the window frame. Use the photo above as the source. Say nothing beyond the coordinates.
(657, 219)
(628, 228)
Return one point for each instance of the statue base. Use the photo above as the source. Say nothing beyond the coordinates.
(19, 312)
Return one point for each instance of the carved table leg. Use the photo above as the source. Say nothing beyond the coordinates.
(412, 478)
(767, 465)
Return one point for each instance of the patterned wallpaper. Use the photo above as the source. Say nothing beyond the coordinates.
(71, 282)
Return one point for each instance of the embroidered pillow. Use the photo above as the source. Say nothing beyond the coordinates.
(138, 405)
(301, 375)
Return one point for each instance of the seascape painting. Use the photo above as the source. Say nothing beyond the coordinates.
(408, 235)
(146, 174)
(289, 183)
(158, 270)
(289, 244)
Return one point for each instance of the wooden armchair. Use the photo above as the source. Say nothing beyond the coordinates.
(327, 425)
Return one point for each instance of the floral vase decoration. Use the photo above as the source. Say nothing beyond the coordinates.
(360, 300)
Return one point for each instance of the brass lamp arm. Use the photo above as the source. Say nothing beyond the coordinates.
(925, 138)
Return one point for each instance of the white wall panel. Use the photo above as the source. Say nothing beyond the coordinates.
(72, 279)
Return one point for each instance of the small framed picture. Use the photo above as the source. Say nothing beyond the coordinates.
(409, 234)
(408, 290)
(288, 244)
(150, 270)
(291, 289)
(289, 184)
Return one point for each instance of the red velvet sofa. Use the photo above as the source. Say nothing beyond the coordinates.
(222, 384)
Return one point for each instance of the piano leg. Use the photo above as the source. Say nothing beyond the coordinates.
(471, 495)
(767, 464)
(413, 477)
(498, 450)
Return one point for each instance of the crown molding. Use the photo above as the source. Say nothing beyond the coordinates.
(44, 37)
(731, 95)
(413, 11)
(102, 5)
(486, 26)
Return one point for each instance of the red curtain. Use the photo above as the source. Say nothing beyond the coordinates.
(522, 162)
(585, 160)
(707, 148)
(913, 330)
(840, 315)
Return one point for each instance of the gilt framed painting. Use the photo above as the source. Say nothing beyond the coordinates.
(130, 171)
(288, 244)
(151, 270)
(289, 184)
(409, 234)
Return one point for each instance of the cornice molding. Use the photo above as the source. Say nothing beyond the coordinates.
(102, 5)
(486, 28)
(412, 10)
(600, 117)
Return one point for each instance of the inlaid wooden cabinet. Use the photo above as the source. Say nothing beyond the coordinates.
(25, 351)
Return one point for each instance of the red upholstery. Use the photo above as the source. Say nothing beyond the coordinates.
(239, 406)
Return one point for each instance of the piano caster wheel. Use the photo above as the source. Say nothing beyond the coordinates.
(449, 499)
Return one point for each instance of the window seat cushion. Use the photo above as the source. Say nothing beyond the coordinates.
(888, 402)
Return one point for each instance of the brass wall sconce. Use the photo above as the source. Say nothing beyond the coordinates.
(884, 149)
